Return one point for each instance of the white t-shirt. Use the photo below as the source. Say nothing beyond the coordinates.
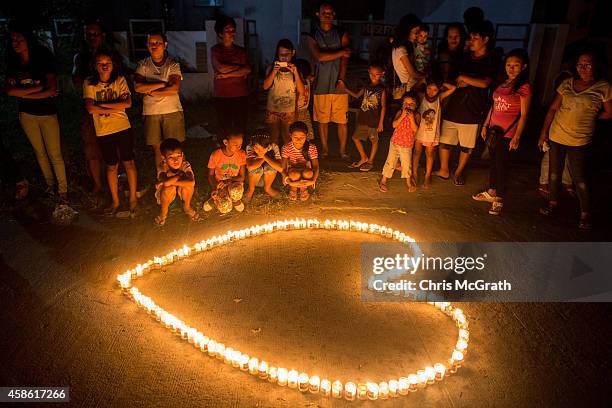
(282, 93)
(574, 122)
(399, 67)
(159, 105)
(108, 123)
(429, 128)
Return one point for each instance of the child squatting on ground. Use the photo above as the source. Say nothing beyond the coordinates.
(226, 171)
(263, 159)
(406, 123)
(300, 162)
(175, 176)
(370, 117)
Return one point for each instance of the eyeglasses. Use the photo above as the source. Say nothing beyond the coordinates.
(584, 66)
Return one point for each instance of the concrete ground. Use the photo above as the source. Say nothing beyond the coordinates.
(293, 298)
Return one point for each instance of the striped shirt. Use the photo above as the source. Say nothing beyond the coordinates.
(295, 156)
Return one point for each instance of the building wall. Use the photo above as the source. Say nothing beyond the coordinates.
(275, 19)
(516, 11)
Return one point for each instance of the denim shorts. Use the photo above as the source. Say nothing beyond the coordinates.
(263, 169)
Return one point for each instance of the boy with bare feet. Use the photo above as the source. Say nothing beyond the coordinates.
(175, 176)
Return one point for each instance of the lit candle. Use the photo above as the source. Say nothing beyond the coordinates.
(244, 362)
(457, 359)
(229, 353)
(254, 366)
(403, 386)
(272, 374)
(220, 352)
(303, 382)
(263, 370)
(383, 390)
(422, 377)
(440, 370)
(236, 355)
(461, 346)
(431, 375)
(413, 381)
(464, 334)
(372, 391)
(204, 344)
(314, 384)
(325, 387)
(362, 391)
(282, 376)
(212, 347)
(393, 388)
(292, 379)
(336, 390)
(350, 390)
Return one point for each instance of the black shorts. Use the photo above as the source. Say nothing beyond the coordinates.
(117, 146)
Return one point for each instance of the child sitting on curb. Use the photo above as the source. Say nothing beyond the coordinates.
(175, 176)
(226, 171)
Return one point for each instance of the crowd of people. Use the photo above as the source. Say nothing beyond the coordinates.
(444, 100)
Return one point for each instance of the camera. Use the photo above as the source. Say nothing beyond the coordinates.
(282, 64)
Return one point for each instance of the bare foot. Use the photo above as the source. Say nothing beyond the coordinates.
(191, 213)
(411, 187)
(427, 182)
(159, 221)
(272, 192)
(248, 196)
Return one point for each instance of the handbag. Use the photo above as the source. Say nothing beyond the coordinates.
(496, 133)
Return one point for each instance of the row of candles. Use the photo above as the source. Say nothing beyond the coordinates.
(291, 378)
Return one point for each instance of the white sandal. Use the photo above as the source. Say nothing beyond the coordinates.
(484, 196)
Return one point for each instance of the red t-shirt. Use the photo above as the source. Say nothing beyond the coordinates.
(229, 87)
(507, 106)
(226, 167)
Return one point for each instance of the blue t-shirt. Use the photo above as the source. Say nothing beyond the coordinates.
(327, 71)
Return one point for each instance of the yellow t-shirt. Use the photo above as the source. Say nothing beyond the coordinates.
(108, 123)
(574, 122)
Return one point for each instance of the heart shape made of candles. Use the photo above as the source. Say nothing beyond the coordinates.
(296, 379)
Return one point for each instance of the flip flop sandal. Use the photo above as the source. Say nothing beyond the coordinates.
(548, 211)
(435, 173)
(304, 194)
(111, 212)
(483, 196)
(366, 166)
(195, 217)
(459, 181)
(21, 190)
(355, 165)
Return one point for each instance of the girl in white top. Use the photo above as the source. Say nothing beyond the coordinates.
(284, 87)
(428, 134)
